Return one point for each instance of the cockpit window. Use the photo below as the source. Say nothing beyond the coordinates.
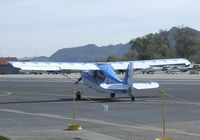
(98, 74)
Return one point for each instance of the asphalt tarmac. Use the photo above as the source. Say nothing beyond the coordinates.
(40, 107)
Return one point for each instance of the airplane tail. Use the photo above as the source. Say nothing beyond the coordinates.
(128, 79)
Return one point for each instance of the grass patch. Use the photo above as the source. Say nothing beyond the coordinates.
(4, 138)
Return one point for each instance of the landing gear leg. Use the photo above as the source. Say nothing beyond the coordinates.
(112, 95)
(78, 95)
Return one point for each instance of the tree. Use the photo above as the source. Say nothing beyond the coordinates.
(151, 46)
(165, 35)
(113, 58)
(185, 44)
(181, 42)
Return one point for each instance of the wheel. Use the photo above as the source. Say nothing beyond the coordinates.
(112, 95)
(133, 98)
(78, 95)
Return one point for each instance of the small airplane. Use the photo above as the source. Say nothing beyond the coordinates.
(102, 76)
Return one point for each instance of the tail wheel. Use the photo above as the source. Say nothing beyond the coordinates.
(78, 95)
(112, 95)
(133, 98)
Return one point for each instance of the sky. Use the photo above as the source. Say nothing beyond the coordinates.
(41, 27)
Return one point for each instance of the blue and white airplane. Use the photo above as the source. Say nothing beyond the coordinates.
(101, 76)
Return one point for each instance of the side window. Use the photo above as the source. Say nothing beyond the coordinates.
(101, 75)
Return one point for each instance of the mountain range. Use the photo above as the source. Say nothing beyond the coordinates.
(87, 53)
(92, 52)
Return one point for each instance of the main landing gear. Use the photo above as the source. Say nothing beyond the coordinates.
(133, 98)
(112, 95)
(78, 95)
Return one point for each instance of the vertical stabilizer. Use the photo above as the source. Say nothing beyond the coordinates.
(128, 79)
(130, 74)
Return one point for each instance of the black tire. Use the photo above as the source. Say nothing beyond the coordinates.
(112, 95)
(78, 95)
(132, 98)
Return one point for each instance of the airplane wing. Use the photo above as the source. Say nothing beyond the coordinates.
(54, 66)
(143, 64)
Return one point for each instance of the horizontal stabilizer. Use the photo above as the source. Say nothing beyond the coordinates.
(121, 86)
(118, 86)
(145, 85)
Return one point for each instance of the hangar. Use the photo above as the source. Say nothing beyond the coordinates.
(6, 68)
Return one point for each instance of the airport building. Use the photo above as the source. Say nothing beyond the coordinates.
(6, 68)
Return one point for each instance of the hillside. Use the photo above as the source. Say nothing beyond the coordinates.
(165, 44)
(172, 33)
(90, 53)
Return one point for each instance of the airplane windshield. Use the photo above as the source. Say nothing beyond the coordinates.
(98, 74)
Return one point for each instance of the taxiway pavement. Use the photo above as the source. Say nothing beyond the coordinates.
(40, 107)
